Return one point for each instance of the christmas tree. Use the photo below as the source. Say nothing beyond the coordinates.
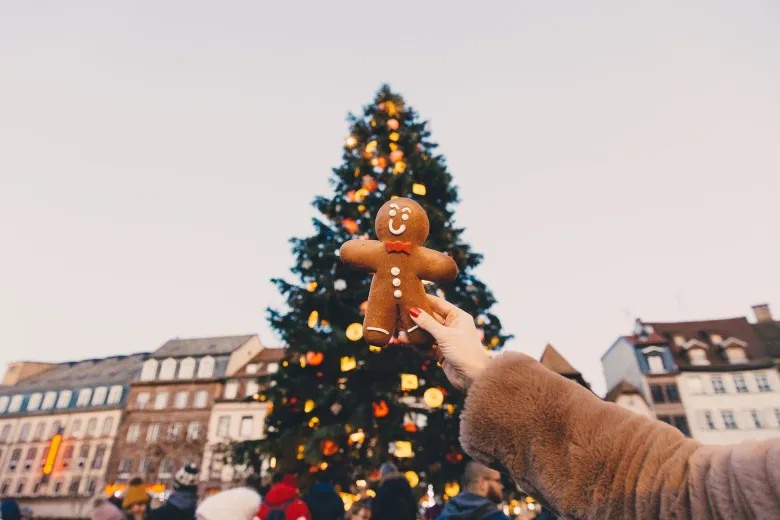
(339, 404)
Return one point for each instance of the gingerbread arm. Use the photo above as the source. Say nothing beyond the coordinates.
(362, 254)
(436, 266)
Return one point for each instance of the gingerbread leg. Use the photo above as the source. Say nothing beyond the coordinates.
(382, 316)
(416, 335)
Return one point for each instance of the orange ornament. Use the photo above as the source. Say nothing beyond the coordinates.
(369, 183)
(314, 358)
(410, 427)
(350, 225)
(392, 124)
(381, 409)
(396, 156)
(329, 447)
(381, 162)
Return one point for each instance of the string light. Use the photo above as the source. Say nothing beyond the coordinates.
(399, 168)
(314, 318)
(351, 141)
(419, 189)
(314, 422)
(394, 136)
(393, 124)
(396, 155)
(354, 331)
(402, 449)
(433, 397)
(409, 382)
(452, 488)
(413, 478)
(371, 147)
(301, 449)
(374, 348)
(308, 406)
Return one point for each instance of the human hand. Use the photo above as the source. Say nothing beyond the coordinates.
(460, 350)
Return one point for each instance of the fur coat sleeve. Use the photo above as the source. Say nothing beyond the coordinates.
(590, 459)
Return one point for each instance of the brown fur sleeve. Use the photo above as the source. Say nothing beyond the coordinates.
(590, 459)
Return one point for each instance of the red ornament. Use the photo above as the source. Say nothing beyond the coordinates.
(363, 307)
(454, 457)
(350, 225)
(329, 447)
(380, 409)
(369, 183)
(314, 358)
(410, 427)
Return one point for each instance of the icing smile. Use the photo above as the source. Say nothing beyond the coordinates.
(398, 230)
(404, 216)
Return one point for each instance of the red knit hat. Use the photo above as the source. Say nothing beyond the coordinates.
(290, 480)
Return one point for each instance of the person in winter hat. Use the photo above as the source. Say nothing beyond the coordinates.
(482, 492)
(323, 501)
(105, 510)
(234, 504)
(283, 502)
(9, 510)
(136, 499)
(394, 500)
(182, 503)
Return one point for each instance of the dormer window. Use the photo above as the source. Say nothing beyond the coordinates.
(736, 355)
(656, 363)
(698, 356)
(716, 339)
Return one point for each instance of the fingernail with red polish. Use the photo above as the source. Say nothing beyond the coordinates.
(414, 311)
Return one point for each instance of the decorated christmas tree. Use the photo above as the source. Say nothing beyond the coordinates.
(339, 404)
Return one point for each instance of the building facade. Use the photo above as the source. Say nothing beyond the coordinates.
(238, 415)
(170, 405)
(80, 404)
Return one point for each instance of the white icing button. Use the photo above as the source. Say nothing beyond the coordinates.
(404, 217)
(397, 293)
(395, 271)
(392, 213)
(396, 282)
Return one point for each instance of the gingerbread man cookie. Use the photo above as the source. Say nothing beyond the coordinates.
(399, 263)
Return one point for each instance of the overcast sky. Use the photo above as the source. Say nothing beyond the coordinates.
(614, 160)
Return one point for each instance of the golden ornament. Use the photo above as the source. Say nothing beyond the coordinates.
(390, 108)
(361, 208)
(314, 318)
(357, 437)
(308, 406)
(399, 168)
(374, 348)
(311, 286)
(348, 363)
(433, 397)
(408, 382)
(419, 189)
(371, 147)
(395, 136)
(314, 422)
(451, 488)
(413, 478)
(303, 362)
(494, 341)
(393, 147)
(370, 493)
(360, 195)
(301, 449)
(355, 331)
(403, 450)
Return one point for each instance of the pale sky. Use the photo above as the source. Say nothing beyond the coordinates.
(614, 160)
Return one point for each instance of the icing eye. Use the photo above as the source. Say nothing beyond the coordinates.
(393, 213)
(404, 217)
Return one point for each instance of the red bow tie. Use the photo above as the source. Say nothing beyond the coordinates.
(399, 247)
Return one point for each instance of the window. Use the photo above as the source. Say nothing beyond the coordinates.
(39, 429)
(717, 385)
(672, 394)
(656, 363)
(4, 404)
(166, 468)
(132, 433)
(223, 426)
(187, 368)
(698, 356)
(5, 433)
(716, 339)
(20, 487)
(49, 400)
(16, 404)
(5, 487)
(201, 399)
(729, 420)
(141, 400)
(99, 397)
(44, 456)
(161, 401)
(85, 394)
(83, 456)
(168, 369)
(145, 466)
(36, 488)
(115, 394)
(231, 390)
(681, 423)
(75, 483)
(174, 431)
(55, 428)
(736, 355)
(100, 454)
(657, 393)
(251, 368)
(75, 429)
(763, 383)
(92, 427)
(64, 399)
(273, 368)
(739, 382)
(29, 460)
(24, 433)
(206, 367)
(193, 432)
(91, 487)
(665, 418)
(709, 420)
(247, 426)
(108, 426)
(57, 487)
(252, 387)
(149, 371)
(16, 456)
(66, 456)
(180, 401)
(125, 466)
(34, 403)
(153, 433)
(756, 419)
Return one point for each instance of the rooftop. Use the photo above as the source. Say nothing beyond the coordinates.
(201, 346)
(622, 388)
(552, 360)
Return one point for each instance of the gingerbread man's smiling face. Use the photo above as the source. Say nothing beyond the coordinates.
(403, 220)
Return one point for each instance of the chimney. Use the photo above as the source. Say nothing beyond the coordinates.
(762, 312)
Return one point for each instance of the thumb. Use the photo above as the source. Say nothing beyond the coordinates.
(427, 322)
